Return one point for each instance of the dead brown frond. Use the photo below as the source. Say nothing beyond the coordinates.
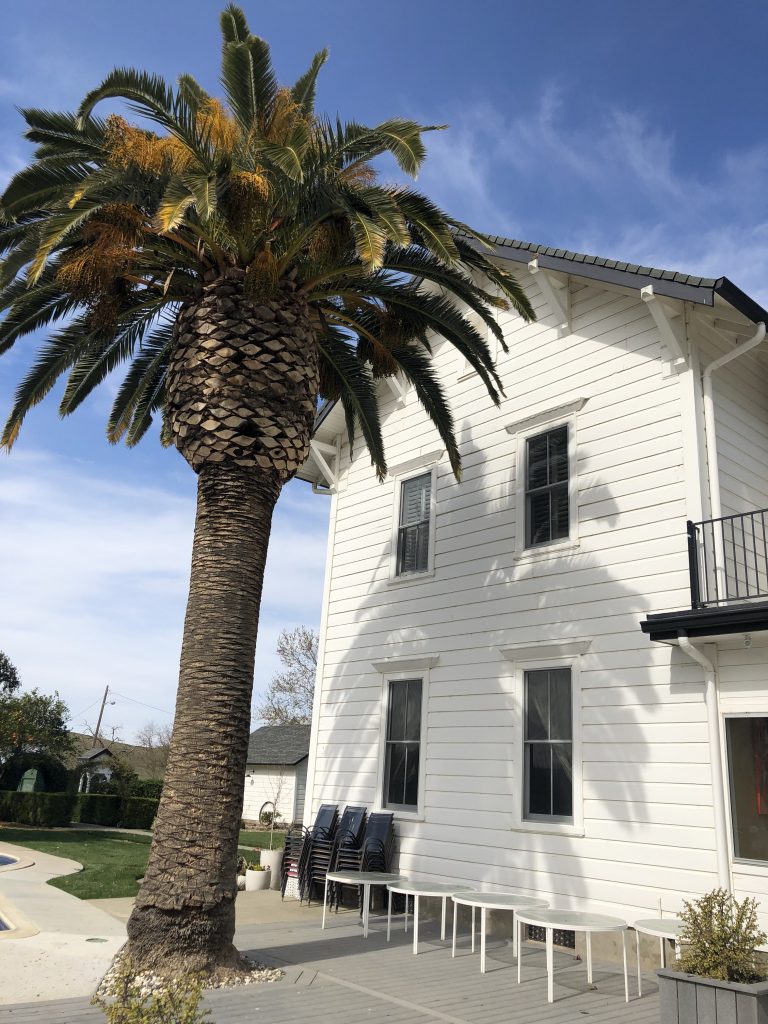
(95, 271)
(130, 146)
(359, 173)
(285, 116)
(216, 125)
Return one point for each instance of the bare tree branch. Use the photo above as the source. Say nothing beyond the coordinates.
(288, 699)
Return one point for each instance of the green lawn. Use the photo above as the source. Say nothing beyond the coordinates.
(113, 862)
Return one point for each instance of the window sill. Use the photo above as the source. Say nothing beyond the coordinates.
(411, 577)
(539, 554)
(542, 829)
(750, 867)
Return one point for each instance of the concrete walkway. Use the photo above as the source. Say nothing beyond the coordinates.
(335, 975)
(61, 945)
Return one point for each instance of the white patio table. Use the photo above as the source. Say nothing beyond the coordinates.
(486, 901)
(572, 921)
(441, 890)
(366, 879)
(662, 928)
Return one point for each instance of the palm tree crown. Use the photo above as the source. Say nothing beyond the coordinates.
(110, 234)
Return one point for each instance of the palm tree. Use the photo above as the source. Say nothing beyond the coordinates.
(244, 260)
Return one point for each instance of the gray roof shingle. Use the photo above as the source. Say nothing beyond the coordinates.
(279, 744)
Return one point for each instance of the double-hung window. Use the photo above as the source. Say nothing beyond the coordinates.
(403, 744)
(414, 525)
(548, 745)
(547, 508)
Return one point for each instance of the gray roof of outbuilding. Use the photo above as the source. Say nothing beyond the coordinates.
(279, 744)
(89, 755)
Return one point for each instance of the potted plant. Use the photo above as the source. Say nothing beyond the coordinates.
(257, 877)
(721, 975)
(273, 858)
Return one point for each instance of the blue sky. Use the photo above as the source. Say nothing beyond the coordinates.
(631, 132)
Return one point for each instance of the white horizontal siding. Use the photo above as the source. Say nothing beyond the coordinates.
(647, 800)
(266, 783)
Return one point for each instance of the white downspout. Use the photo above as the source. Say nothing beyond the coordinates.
(709, 415)
(715, 759)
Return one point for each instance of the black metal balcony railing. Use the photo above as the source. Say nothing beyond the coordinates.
(728, 559)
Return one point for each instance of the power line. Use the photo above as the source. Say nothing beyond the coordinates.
(77, 718)
(163, 711)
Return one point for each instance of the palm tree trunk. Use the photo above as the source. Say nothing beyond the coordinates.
(184, 916)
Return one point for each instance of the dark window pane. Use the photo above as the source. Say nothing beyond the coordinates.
(747, 740)
(397, 710)
(539, 778)
(558, 455)
(413, 715)
(560, 518)
(537, 706)
(415, 499)
(537, 462)
(562, 780)
(413, 530)
(411, 796)
(539, 527)
(560, 725)
(395, 773)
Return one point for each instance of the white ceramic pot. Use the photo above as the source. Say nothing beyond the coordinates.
(272, 859)
(256, 880)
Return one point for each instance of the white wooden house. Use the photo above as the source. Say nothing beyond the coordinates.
(276, 773)
(557, 684)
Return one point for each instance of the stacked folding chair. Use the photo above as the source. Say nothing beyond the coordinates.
(373, 853)
(324, 846)
(299, 841)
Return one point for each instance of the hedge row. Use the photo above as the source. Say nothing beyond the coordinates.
(59, 809)
(51, 809)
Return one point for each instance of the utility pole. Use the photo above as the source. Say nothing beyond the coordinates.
(101, 715)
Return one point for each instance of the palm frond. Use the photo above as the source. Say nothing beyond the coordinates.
(303, 91)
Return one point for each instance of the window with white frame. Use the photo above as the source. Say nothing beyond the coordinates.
(414, 525)
(548, 745)
(547, 499)
(402, 754)
(747, 744)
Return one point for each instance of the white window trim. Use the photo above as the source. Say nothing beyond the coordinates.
(739, 865)
(519, 668)
(408, 473)
(532, 428)
(387, 677)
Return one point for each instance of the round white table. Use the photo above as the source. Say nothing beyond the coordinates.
(662, 928)
(572, 921)
(366, 879)
(486, 901)
(441, 890)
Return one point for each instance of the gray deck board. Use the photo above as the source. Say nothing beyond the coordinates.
(335, 975)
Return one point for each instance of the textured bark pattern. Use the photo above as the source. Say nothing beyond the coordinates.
(243, 378)
(184, 916)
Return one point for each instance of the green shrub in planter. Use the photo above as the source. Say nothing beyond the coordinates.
(720, 936)
(139, 812)
(99, 809)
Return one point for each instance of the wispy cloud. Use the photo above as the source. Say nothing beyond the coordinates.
(95, 577)
(607, 181)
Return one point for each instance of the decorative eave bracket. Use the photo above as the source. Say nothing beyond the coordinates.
(671, 329)
(557, 296)
(326, 458)
(398, 388)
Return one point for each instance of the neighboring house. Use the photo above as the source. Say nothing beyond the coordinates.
(145, 761)
(524, 666)
(276, 772)
(95, 763)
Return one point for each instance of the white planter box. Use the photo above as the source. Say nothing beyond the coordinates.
(272, 859)
(257, 880)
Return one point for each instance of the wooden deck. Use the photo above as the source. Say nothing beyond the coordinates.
(338, 977)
